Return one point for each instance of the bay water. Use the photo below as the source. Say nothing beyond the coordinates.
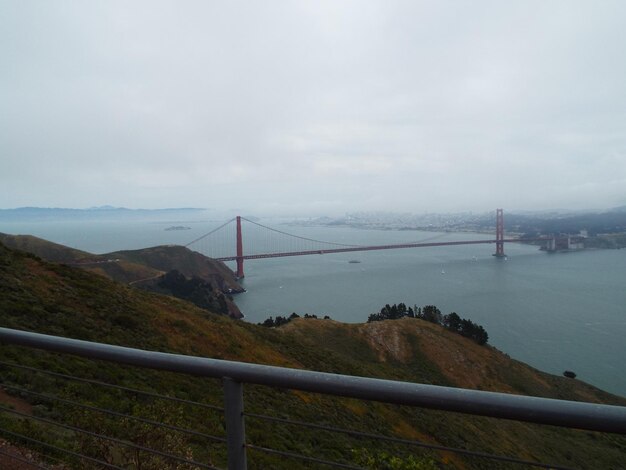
(556, 312)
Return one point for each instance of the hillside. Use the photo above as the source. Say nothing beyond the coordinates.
(45, 249)
(190, 263)
(184, 274)
(454, 360)
(57, 299)
(145, 269)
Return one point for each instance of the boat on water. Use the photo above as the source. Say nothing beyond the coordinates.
(354, 261)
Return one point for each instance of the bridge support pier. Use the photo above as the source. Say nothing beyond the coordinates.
(499, 234)
(239, 258)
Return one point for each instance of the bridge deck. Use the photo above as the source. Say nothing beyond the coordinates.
(375, 247)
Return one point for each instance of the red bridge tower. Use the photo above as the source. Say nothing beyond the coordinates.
(239, 258)
(499, 234)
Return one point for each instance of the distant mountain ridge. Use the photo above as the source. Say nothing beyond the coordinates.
(39, 214)
(98, 208)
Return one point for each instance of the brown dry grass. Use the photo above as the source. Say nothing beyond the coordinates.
(12, 457)
(16, 403)
(389, 341)
(462, 362)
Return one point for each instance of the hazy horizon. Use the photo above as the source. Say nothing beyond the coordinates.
(232, 211)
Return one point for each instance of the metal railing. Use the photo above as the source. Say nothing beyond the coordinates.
(123, 418)
(587, 416)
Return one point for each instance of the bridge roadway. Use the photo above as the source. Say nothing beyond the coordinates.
(376, 247)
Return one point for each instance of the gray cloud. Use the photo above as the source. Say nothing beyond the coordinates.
(313, 106)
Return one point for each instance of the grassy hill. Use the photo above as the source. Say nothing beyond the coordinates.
(58, 299)
(130, 265)
(45, 249)
(189, 263)
(145, 269)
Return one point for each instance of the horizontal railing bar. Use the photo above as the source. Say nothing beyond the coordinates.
(590, 416)
(107, 438)
(115, 413)
(381, 437)
(117, 387)
(330, 463)
(60, 449)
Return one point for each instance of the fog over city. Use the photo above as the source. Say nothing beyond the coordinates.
(313, 108)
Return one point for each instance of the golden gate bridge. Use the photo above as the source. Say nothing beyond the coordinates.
(268, 242)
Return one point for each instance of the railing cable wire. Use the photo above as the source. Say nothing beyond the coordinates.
(303, 457)
(108, 438)
(19, 458)
(396, 440)
(117, 414)
(118, 387)
(60, 449)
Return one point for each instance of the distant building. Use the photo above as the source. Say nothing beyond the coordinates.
(575, 243)
(564, 243)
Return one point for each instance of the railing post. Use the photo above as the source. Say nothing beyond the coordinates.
(235, 425)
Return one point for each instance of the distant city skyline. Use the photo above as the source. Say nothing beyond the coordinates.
(313, 108)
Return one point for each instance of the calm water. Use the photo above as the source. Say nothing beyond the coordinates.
(555, 312)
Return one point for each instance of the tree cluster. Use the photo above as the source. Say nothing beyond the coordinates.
(569, 374)
(194, 290)
(392, 312)
(271, 322)
(395, 312)
(465, 327)
(432, 314)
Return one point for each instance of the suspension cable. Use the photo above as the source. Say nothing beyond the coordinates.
(297, 236)
(210, 233)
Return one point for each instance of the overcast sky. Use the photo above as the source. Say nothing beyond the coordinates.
(313, 107)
